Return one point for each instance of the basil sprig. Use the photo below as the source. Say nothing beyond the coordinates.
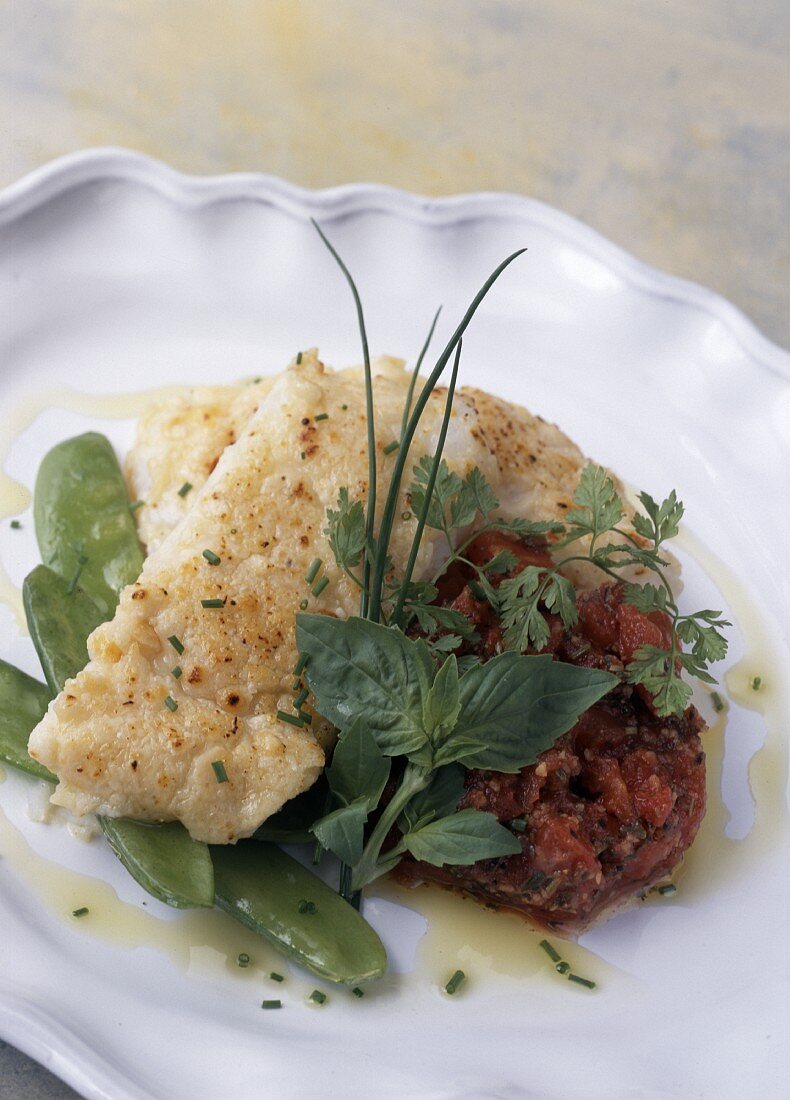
(383, 692)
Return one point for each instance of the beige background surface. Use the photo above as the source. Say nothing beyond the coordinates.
(665, 124)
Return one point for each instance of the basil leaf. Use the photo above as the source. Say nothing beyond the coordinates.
(357, 668)
(442, 703)
(359, 769)
(518, 706)
(442, 795)
(342, 831)
(462, 838)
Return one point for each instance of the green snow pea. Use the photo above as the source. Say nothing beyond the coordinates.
(23, 703)
(59, 622)
(83, 524)
(165, 860)
(274, 895)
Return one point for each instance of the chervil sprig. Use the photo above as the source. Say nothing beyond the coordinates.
(523, 600)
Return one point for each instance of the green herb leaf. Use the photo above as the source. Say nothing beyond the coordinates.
(342, 831)
(475, 496)
(523, 622)
(442, 703)
(598, 508)
(518, 706)
(438, 799)
(461, 838)
(446, 486)
(346, 531)
(645, 597)
(362, 669)
(653, 667)
(359, 770)
(663, 520)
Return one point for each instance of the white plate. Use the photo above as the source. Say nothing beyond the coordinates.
(117, 273)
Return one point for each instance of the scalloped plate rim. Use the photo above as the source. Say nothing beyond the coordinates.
(72, 170)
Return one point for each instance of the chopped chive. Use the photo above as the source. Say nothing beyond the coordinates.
(669, 888)
(562, 967)
(299, 357)
(296, 684)
(275, 977)
(176, 643)
(718, 702)
(756, 682)
(218, 767)
(83, 909)
(581, 981)
(300, 698)
(317, 997)
(303, 455)
(303, 605)
(319, 587)
(518, 824)
(322, 416)
(233, 530)
(271, 1004)
(211, 557)
(170, 703)
(344, 407)
(307, 907)
(358, 992)
(182, 492)
(213, 603)
(135, 505)
(291, 719)
(555, 958)
(312, 572)
(16, 525)
(307, 719)
(177, 672)
(405, 515)
(457, 979)
(393, 446)
(243, 960)
(301, 664)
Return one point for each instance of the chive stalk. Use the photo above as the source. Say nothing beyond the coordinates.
(371, 424)
(455, 981)
(218, 767)
(312, 572)
(291, 719)
(550, 951)
(319, 586)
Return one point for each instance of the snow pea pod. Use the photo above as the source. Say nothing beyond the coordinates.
(274, 895)
(165, 860)
(83, 524)
(59, 621)
(23, 703)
